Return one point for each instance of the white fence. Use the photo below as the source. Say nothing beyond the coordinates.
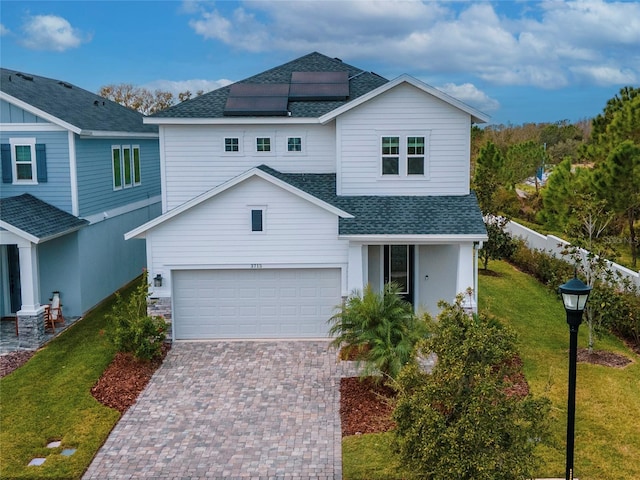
(556, 245)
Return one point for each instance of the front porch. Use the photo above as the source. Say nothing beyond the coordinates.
(426, 270)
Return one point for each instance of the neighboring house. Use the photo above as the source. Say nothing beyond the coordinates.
(286, 191)
(78, 171)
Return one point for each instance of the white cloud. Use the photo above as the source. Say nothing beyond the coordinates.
(547, 44)
(180, 86)
(50, 32)
(469, 94)
(4, 30)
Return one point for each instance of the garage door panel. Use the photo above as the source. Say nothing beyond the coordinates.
(266, 303)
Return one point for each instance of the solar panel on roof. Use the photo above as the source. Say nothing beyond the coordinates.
(257, 99)
(319, 77)
(259, 90)
(319, 86)
(259, 106)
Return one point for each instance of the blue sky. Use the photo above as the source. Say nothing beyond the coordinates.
(518, 61)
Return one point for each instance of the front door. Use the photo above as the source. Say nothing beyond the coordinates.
(13, 264)
(398, 268)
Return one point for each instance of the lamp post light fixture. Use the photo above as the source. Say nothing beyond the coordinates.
(574, 295)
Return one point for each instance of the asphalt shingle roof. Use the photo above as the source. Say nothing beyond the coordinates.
(72, 104)
(392, 215)
(35, 217)
(211, 105)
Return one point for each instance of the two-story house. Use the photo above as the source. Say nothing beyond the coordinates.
(78, 171)
(284, 192)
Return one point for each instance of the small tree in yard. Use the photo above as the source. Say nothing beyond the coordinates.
(381, 326)
(500, 244)
(134, 331)
(461, 420)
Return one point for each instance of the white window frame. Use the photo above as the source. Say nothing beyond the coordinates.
(240, 145)
(134, 149)
(383, 156)
(403, 156)
(132, 166)
(263, 209)
(24, 142)
(272, 145)
(303, 143)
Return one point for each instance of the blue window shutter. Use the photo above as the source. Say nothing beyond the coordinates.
(41, 162)
(7, 170)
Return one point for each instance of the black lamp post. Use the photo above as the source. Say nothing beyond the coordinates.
(574, 295)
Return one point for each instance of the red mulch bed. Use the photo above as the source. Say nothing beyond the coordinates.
(125, 378)
(602, 357)
(13, 360)
(365, 407)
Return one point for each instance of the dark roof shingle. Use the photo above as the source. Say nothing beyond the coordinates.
(211, 105)
(392, 215)
(35, 217)
(72, 104)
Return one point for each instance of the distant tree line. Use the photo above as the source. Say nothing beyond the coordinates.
(142, 99)
(593, 191)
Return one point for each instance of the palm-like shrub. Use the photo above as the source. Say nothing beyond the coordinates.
(379, 325)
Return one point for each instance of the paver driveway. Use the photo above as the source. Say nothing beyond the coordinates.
(232, 410)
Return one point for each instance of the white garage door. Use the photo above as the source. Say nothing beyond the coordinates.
(266, 303)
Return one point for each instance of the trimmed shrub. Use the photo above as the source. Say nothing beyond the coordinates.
(461, 420)
(133, 330)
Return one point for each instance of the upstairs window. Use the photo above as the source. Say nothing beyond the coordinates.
(126, 166)
(25, 165)
(263, 144)
(24, 161)
(390, 155)
(294, 144)
(415, 155)
(231, 144)
(405, 156)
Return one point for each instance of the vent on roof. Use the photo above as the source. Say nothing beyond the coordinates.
(65, 84)
(257, 99)
(26, 77)
(319, 86)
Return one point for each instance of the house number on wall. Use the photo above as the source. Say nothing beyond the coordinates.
(256, 265)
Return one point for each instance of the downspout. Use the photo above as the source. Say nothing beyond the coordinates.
(476, 246)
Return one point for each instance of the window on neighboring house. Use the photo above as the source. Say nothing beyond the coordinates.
(390, 155)
(263, 144)
(232, 144)
(24, 161)
(257, 220)
(415, 155)
(126, 166)
(294, 144)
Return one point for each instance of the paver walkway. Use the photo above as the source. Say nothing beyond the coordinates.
(232, 410)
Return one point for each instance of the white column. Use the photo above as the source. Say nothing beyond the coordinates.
(355, 270)
(466, 275)
(29, 279)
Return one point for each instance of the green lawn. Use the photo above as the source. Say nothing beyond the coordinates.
(49, 399)
(607, 399)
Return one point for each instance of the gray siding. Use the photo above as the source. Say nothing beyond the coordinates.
(95, 175)
(106, 260)
(57, 189)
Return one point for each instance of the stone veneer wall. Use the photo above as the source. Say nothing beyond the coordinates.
(161, 307)
(31, 331)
